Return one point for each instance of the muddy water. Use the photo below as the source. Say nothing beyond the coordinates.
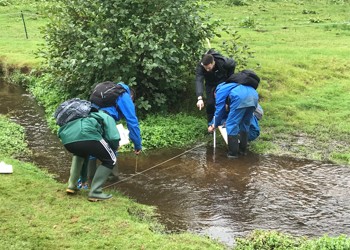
(199, 190)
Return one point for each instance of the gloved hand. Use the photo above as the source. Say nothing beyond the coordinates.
(200, 104)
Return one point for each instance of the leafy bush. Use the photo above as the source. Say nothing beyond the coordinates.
(149, 44)
(264, 240)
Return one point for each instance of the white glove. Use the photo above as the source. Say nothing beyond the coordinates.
(200, 104)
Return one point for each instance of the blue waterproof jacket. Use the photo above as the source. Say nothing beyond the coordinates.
(126, 110)
(241, 96)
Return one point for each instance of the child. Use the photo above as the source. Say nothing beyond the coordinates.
(95, 135)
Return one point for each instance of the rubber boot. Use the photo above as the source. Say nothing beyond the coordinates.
(75, 169)
(115, 173)
(99, 179)
(82, 182)
(243, 143)
(91, 168)
(232, 146)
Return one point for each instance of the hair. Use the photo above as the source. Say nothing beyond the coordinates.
(207, 59)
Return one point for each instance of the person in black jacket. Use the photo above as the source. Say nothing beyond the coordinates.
(213, 69)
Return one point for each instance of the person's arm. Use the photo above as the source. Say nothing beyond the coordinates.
(199, 86)
(222, 92)
(199, 81)
(127, 108)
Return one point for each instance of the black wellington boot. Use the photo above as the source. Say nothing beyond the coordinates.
(243, 143)
(232, 146)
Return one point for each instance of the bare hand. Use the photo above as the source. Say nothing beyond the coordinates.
(137, 152)
(211, 128)
(200, 104)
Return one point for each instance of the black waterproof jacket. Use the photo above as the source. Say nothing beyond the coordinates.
(224, 67)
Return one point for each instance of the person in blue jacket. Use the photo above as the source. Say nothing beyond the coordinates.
(242, 98)
(123, 108)
(254, 128)
(117, 100)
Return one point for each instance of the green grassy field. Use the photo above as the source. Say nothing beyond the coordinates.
(15, 48)
(302, 55)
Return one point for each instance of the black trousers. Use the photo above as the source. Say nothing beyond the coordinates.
(210, 105)
(99, 149)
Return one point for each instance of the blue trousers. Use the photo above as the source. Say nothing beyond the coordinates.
(239, 120)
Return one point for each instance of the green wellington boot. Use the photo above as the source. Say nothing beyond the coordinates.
(75, 169)
(243, 143)
(232, 146)
(91, 168)
(99, 179)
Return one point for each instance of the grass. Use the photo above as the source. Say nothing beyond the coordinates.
(15, 48)
(302, 51)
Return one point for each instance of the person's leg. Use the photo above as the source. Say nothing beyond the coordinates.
(210, 105)
(92, 165)
(244, 129)
(232, 126)
(82, 182)
(254, 129)
(105, 154)
(76, 166)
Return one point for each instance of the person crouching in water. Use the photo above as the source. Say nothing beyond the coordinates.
(239, 91)
(95, 135)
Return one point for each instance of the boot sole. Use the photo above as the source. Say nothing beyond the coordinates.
(232, 156)
(71, 191)
(97, 199)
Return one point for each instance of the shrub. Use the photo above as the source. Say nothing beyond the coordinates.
(149, 44)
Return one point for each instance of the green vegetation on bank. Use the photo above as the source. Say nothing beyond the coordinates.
(12, 139)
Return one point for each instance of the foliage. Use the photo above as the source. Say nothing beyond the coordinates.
(238, 50)
(172, 131)
(150, 45)
(237, 2)
(266, 240)
(248, 22)
(341, 242)
(12, 139)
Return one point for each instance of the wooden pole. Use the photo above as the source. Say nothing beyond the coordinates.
(24, 24)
